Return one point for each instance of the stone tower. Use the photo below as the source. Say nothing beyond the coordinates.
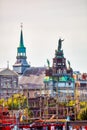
(59, 61)
(59, 67)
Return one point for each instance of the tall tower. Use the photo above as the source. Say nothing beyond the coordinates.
(59, 62)
(21, 62)
(59, 67)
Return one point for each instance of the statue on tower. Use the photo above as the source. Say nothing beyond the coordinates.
(48, 62)
(59, 51)
(60, 44)
(69, 64)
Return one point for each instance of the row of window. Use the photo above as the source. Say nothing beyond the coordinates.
(58, 64)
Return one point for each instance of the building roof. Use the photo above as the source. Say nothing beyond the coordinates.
(7, 71)
(33, 77)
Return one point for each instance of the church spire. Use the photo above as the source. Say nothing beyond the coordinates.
(21, 38)
(21, 50)
(21, 62)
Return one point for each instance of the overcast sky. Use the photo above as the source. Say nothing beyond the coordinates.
(44, 22)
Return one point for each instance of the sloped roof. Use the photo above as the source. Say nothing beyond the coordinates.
(33, 77)
(7, 71)
(17, 64)
(1, 69)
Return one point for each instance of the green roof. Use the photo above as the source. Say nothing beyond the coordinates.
(47, 79)
(21, 48)
(21, 40)
(61, 79)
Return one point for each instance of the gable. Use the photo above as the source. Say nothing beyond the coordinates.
(7, 71)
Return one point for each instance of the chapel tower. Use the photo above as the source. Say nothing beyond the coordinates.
(21, 63)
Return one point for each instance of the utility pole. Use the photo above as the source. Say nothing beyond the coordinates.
(40, 104)
(57, 103)
(7, 93)
(57, 98)
(77, 103)
(27, 103)
(46, 102)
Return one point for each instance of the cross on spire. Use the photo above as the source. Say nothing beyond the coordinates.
(21, 25)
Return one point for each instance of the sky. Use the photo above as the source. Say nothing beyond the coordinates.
(44, 22)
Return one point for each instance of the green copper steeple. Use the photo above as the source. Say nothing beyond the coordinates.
(21, 63)
(21, 50)
(21, 40)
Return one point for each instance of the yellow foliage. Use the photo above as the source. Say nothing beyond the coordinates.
(71, 103)
(1, 101)
(83, 104)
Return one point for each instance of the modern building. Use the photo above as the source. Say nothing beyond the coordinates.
(21, 63)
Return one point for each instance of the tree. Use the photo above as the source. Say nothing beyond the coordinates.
(83, 114)
(2, 101)
(70, 103)
(83, 104)
(17, 101)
